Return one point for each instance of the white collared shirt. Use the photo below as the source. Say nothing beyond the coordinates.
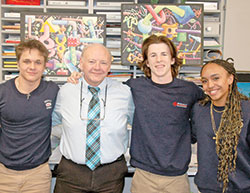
(114, 134)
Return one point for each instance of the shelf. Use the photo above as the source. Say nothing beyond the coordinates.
(65, 7)
(9, 44)
(10, 69)
(22, 6)
(107, 8)
(10, 32)
(10, 19)
(211, 11)
(94, 7)
(8, 57)
(212, 36)
(209, 47)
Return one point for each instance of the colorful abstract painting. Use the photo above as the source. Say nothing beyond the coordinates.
(64, 35)
(183, 24)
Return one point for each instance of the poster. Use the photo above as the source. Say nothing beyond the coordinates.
(181, 23)
(65, 36)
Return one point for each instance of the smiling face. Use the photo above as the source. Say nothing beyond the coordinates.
(215, 81)
(95, 64)
(31, 66)
(159, 61)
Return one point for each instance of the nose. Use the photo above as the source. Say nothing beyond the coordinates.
(210, 84)
(32, 65)
(97, 66)
(158, 58)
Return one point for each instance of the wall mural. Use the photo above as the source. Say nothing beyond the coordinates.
(64, 35)
(183, 24)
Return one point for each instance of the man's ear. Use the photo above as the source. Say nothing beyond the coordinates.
(80, 64)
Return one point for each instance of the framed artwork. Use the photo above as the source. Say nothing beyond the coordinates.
(181, 23)
(244, 88)
(244, 83)
(64, 35)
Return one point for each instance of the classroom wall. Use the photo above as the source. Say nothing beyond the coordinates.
(237, 33)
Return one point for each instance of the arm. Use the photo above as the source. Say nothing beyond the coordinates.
(193, 127)
(56, 130)
(200, 93)
(248, 135)
(131, 108)
(74, 77)
(56, 114)
(1, 105)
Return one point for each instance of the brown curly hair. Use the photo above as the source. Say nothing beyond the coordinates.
(154, 39)
(227, 136)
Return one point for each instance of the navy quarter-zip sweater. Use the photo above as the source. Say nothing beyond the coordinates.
(206, 177)
(161, 133)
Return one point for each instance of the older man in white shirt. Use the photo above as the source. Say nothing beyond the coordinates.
(104, 168)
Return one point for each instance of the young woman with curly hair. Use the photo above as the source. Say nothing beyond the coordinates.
(221, 125)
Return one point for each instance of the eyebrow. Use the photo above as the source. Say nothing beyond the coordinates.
(37, 60)
(213, 75)
(155, 52)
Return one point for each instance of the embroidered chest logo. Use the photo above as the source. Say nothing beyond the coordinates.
(177, 104)
(48, 104)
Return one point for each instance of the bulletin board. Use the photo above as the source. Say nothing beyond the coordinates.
(181, 23)
(64, 35)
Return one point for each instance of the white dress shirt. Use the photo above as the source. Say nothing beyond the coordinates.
(118, 113)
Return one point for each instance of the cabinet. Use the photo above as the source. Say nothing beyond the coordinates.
(213, 36)
(213, 30)
(10, 35)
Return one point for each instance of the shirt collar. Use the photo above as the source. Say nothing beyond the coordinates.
(101, 86)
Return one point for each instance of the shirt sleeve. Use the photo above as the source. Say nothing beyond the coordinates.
(131, 108)
(248, 135)
(1, 105)
(201, 93)
(56, 115)
(127, 82)
(193, 126)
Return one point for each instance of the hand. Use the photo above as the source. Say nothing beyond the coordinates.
(74, 77)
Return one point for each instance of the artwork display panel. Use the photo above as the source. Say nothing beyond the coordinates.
(243, 83)
(181, 23)
(65, 36)
(244, 88)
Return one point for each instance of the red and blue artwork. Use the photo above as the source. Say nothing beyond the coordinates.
(64, 35)
(183, 24)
